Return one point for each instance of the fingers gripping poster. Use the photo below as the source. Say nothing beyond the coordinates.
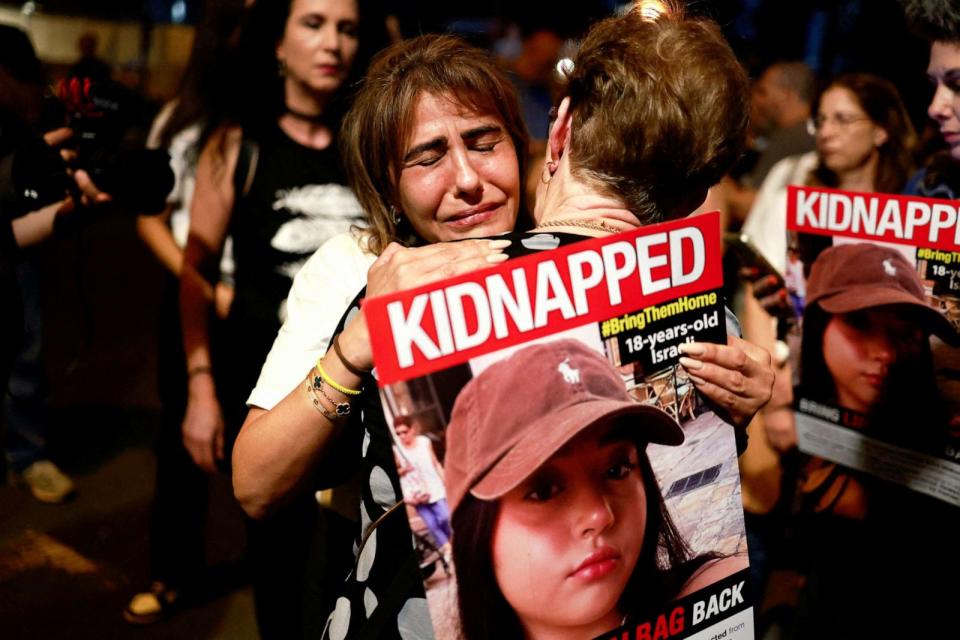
(560, 472)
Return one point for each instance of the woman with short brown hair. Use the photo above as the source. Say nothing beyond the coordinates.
(659, 112)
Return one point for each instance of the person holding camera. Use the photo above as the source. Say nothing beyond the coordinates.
(34, 199)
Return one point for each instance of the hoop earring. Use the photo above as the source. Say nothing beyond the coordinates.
(395, 215)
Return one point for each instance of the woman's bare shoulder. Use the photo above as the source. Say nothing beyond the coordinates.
(713, 571)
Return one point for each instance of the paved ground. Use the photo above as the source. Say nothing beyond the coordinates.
(709, 518)
(442, 596)
(67, 571)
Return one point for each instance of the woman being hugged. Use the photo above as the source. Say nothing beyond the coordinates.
(654, 114)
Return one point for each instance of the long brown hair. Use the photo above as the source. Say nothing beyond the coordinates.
(664, 564)
(376, 128)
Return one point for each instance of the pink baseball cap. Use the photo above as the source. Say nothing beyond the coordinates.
(519, 412)
(852, 277)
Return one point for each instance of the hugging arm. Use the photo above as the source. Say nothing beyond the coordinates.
(278, 449)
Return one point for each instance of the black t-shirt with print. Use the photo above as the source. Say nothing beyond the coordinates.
(297, 200)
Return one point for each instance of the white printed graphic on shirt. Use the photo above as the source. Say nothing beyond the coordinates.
(323, 211)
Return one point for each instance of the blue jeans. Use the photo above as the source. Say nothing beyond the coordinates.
(25, 401)
(436, 515)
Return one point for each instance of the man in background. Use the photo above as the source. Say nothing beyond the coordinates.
(780, 110)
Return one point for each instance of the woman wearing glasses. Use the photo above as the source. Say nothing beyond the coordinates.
(863, 134)
(864, 140)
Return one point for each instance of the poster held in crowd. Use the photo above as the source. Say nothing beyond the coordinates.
(881, 298)
(540, 406)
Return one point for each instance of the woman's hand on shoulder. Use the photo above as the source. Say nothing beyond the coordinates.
(737, 377)
(400, 268)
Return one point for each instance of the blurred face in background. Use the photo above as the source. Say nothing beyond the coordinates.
(318, 45)
(944, 73)
(847, 139)
(406, 434)
(766, 100)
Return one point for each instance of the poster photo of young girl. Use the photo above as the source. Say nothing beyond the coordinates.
(563, 496)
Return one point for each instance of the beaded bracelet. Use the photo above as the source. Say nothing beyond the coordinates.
(334, 384)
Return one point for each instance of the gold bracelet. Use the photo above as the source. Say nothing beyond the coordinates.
(333, 383)
(341, 408)
(326, 413)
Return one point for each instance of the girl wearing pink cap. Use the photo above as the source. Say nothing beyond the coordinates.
(560, 528)
(573, 551)
(865, 335)
(866, 349)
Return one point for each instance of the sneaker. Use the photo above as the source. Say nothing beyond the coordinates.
(151, 606)
(46, 482)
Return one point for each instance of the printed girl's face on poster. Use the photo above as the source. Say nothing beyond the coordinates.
(568, 538)
(861, 347)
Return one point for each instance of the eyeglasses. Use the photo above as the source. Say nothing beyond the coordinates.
(842, 120)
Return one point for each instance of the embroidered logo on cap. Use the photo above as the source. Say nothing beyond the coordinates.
(570, 375)
(889, 268)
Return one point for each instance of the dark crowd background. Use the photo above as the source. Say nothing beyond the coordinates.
(67, 571)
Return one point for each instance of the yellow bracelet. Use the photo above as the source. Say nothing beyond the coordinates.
(334, 384)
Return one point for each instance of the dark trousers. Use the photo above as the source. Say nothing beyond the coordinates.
(25, 417)
(292, 571)
(180, 497)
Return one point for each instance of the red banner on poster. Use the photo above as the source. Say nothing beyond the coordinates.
(908, 220)
(430, 328)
